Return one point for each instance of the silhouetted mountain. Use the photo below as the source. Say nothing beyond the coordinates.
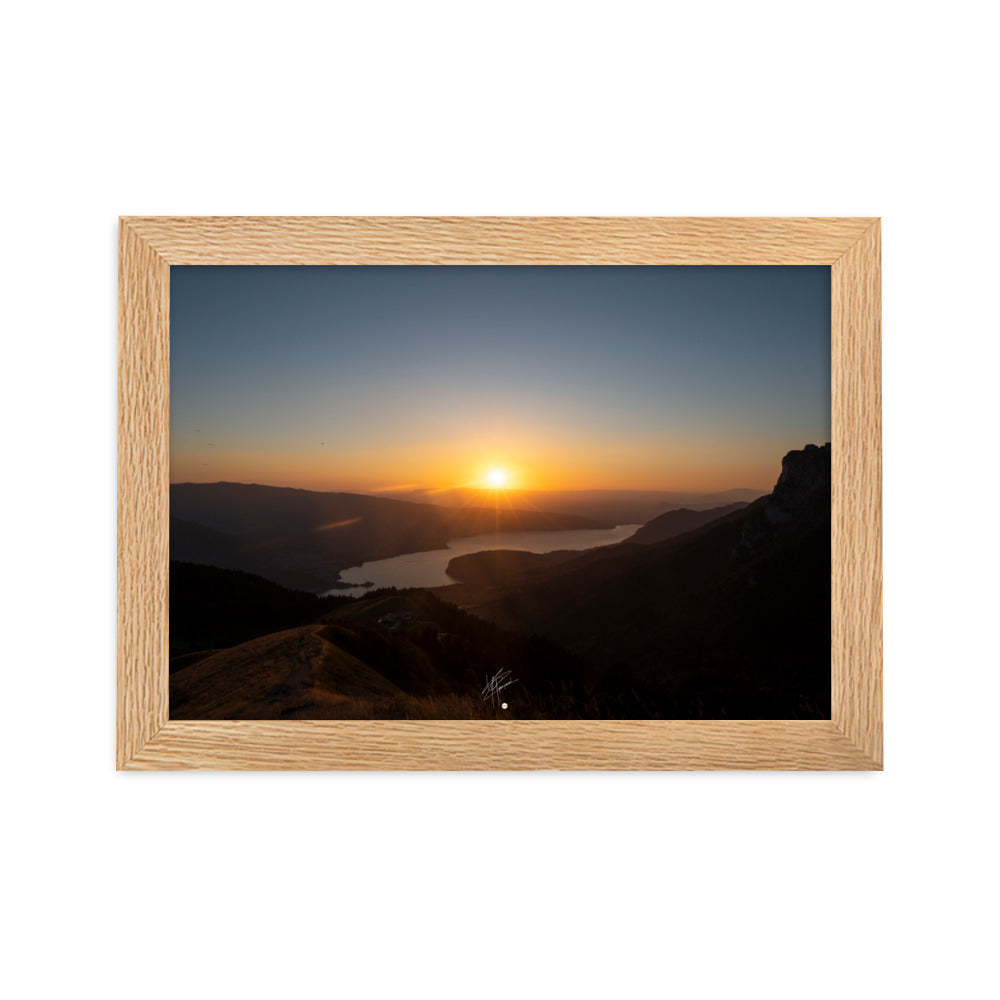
(501, 567)
(212, 608)
(732, 619)
(702, 501)
(498, 566)
(612, 506)
(196, 543)
(303, 539)
(727, 620)
(677, 522)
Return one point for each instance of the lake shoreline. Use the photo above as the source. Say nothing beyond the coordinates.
(427, 568)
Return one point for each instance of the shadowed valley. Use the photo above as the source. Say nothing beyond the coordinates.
(302, 539)
(722, 612)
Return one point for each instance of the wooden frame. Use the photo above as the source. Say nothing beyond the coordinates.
(851, 740)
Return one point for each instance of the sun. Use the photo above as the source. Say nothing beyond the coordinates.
(497, 478)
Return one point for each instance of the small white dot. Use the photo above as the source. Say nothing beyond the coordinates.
(504, 705)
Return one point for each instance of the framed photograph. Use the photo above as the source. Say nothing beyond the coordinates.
(499, 493)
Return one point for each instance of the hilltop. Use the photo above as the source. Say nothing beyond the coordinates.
(391, 655)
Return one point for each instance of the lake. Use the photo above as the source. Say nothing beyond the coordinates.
(427, 569)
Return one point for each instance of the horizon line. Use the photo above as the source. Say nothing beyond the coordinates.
(472, 489)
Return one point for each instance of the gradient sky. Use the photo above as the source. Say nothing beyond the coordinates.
(374, 378)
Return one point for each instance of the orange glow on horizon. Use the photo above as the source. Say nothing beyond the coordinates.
(405, 381)
(562, 465)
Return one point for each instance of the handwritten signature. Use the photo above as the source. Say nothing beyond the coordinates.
(495, 684)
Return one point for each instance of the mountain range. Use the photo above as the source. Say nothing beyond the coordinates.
(727, 618)
(731, 617)
(506, 566)
(303, 539)
(612, 506)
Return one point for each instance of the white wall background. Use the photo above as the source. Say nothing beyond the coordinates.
(211, 885)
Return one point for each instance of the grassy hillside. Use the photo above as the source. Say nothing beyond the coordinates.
(391, 655)
(212, 608)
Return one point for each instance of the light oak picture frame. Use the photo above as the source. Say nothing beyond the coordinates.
(148, 740)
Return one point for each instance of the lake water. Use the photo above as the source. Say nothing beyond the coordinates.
(427, 569)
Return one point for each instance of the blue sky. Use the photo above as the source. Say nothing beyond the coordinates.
(571, 377)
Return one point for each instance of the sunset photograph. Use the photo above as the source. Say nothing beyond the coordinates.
(476, 492)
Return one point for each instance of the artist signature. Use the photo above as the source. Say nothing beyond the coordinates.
(495, 684)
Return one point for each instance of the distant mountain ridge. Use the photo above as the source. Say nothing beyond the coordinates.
(497, 567)
(614, 506)
(300, 538)
(677, 522)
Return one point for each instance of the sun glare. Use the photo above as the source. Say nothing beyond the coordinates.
(497, 478)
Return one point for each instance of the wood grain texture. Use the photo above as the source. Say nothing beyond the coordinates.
(498, 240)
(852, 740)
(143, 491)
(856, 533)
(514, 745)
